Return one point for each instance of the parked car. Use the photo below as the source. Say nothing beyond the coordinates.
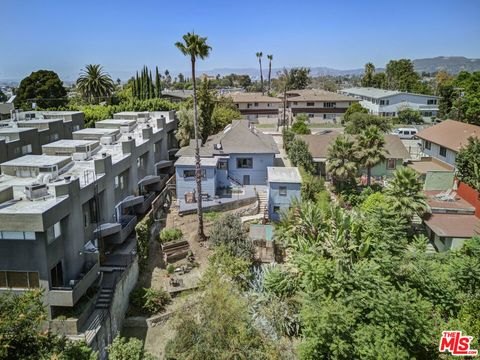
(405, 133)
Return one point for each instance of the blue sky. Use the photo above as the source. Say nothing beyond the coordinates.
(64, 35)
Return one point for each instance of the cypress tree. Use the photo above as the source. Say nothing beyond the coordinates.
(158, 85)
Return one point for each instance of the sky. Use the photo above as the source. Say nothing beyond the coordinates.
(65, 35)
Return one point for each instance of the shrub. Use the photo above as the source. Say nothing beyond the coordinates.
(311, 186)
(170, 268)
(131, 349)
(150, 300)
(227, 230)
(167, 235)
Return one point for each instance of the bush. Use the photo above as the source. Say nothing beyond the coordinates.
(121, 349)
(299, 155)
(311, 186)
(167, 235)
(149, 300)
(227, 230)
(170, 268)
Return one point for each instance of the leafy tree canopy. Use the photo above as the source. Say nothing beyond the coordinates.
(299, 155)
(468, 163)
(299, 126)
(410, 116)
(3, 97)
(359, 121)
(42, 87)
(352, 109)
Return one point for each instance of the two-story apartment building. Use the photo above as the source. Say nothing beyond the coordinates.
(318, 104)
(389, 103)
(65, 214)
(256, 105)
(238, 156)
(26, 132)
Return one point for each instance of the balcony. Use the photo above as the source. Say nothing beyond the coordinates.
(121, 230)
(69, 295)
(145, 205)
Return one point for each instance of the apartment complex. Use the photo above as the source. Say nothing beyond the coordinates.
(67, 215)
(319, 104)
(256, 105)
(389, 103)
(25, 132)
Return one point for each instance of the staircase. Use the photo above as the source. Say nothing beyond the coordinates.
(262, 207)
(235, 181)
(104, 299)
(94, 324)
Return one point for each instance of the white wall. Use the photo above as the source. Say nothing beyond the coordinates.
(435, 152)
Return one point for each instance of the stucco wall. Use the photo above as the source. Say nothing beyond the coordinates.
(438, 180)
(185, 185)
(434, 151)
(274, 198)
(258, 173)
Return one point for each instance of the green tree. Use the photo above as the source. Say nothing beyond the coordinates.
(222, 116)
(298, 78)
(195, 47)
(186, 127)
(131, 349)
(299, 155)
(468, 164)
(367, 79)
(379, 80)
(352, 109)
(359, 121)
(401, 76)
(94, 84)
(42, 87)
(259, 57)
(22, 335)
(370, 149)
(270, 58)
(206, 105)
(3, 97)
(227, 231)
(410, 116)
(342, 164)
(299, 126)
(405, 193)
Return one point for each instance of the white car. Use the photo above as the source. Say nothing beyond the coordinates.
(405, 133)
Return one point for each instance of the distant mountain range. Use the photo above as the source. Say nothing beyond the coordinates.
(451, 64)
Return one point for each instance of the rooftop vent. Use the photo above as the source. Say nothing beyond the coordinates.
(218, 146)
(36, 191)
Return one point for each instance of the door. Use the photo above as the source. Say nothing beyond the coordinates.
(246, 179)
(56, 275)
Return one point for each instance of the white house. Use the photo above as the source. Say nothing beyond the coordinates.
(389, 102)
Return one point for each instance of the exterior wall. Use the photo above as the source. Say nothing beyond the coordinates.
(318, 110)
(438, 180)
(258, 174)
(470, 195)
(381, 168)
(185, 185)
(283, 202)
(434, 152)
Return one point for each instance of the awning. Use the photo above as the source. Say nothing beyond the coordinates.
(150, 179)
(163, 164)
(107, 229)
(131, 200)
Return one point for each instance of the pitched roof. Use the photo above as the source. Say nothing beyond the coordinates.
(317, 95)
(318, 145)
(453, 225)
(378, 93)
(237, 138)
(450, 134)
(239, 97)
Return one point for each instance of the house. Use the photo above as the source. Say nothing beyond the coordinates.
(69, 214)
(26, 132)
(389, 102)
(318, 104)
(5, 110)
(318, 145)
(444, 140)
(177, 96)
(435, 174)
(284, 184)
(236, 157)
(256, 105)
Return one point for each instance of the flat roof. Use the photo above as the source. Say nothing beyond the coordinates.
(453, 225)
(14, 130)
(117, 121)
(283, 174)
(37, 160)
(429, 164)
(379, 93)
(69, 143)
(190, 161)
(97, 131)
(459, 204)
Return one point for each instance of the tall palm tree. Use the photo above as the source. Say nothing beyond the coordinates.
(259, 56)
(341, 162)
(195, 47)
(405, 191)
(371, 149)
(270, 58)
(94, 84)
(367, 79)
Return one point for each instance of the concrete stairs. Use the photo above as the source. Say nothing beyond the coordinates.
(104, 299)
(94, 324)
(262, 208)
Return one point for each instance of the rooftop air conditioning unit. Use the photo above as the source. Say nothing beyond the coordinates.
(79, 156)
(36, 191)
(106, 140)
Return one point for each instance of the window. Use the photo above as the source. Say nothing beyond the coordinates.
(387, 102)
(311, 115)
(330, 105)
(53, 232)
(431, 101)
(276, 209)
(26, 149)
(191, 173)
(428, 145)
(222, 165)
(19, 279)
(295, 103)
(324, 116)
(244, 163)
(310, 104)
(117, 182)
(76, 127)
(391, 164)
(249, 106)
(17, 235)
(382, 102)
(282, 191)
(443, 151)
(255, 104)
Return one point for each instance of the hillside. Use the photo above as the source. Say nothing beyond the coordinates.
(451, 64)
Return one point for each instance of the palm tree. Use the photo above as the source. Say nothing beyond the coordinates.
(367, 79)
(370, 149)
(341, 162)
(94, 84)
(196, 47)
(270, 58)
(405, 192)
(259, 56)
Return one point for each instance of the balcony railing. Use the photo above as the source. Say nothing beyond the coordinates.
(69, 295)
